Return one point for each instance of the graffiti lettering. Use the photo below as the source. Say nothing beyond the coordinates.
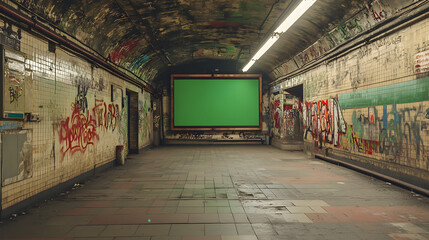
(324, 121)
(77, 132)
(80, 100)
(106, 115)
(400, 133)
(397, 134)
(378, 14)
(99, 85)
(14, 93)
(285, 116)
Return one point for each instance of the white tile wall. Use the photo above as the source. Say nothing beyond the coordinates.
(55, 79)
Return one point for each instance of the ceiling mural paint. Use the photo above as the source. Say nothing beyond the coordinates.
(122, 50)
(148, 37)
(141, 35)
(138, 63)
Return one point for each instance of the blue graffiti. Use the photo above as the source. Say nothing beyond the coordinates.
(427, 113)
(138, 63)
(9, 126)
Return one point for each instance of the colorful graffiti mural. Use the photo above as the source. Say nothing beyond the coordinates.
(324, 121)
(395, 133)
(285, 116)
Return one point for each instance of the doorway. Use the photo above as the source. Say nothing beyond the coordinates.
(133, 129)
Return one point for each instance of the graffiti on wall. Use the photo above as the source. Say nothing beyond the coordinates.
(106, 115)
(291, 117)
(80, 130)
(324, 121)
(99, 85)
(276, 112)
(138, 63)
(374, 13)
(77, 132)
(83, 85)
(123, 50)
(15, 92)
(285, 116)
(421, 62)
(396, 133)
(400, 132)
(360, 135)
(10, 125)
(14, 85)
(194, 135)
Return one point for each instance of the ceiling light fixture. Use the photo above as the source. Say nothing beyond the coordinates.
(284, 26)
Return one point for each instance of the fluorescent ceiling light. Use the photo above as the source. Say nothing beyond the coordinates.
(284, 26)
(261, 51)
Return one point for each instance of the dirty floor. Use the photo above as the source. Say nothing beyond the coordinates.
(227, 192)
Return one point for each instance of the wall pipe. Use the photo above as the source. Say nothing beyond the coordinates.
(9, 13)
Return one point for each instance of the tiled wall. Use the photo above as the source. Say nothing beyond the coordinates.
(80, 123)
(372, 104)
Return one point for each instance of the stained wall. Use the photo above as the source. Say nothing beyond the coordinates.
(82, 117)
(371, 105)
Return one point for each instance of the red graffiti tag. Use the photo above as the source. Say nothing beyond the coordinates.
(276, 115)
(77, 132)
(106, 115)
(122, 50)
(324, 121)
(277, 120)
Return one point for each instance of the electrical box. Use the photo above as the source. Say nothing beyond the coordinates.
(12, 84)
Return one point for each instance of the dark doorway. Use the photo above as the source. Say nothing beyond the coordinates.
(297, 91)
(133, 129)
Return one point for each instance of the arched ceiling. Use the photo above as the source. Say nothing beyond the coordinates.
(150, 36)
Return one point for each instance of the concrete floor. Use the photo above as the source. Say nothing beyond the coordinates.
(227, 192)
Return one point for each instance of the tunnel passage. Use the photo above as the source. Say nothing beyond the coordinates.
(348, 81)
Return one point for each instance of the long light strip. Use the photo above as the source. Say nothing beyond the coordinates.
(286, 24)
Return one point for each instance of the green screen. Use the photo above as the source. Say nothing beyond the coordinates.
(216, 102)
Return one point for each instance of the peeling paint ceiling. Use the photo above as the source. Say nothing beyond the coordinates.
(149, 37)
